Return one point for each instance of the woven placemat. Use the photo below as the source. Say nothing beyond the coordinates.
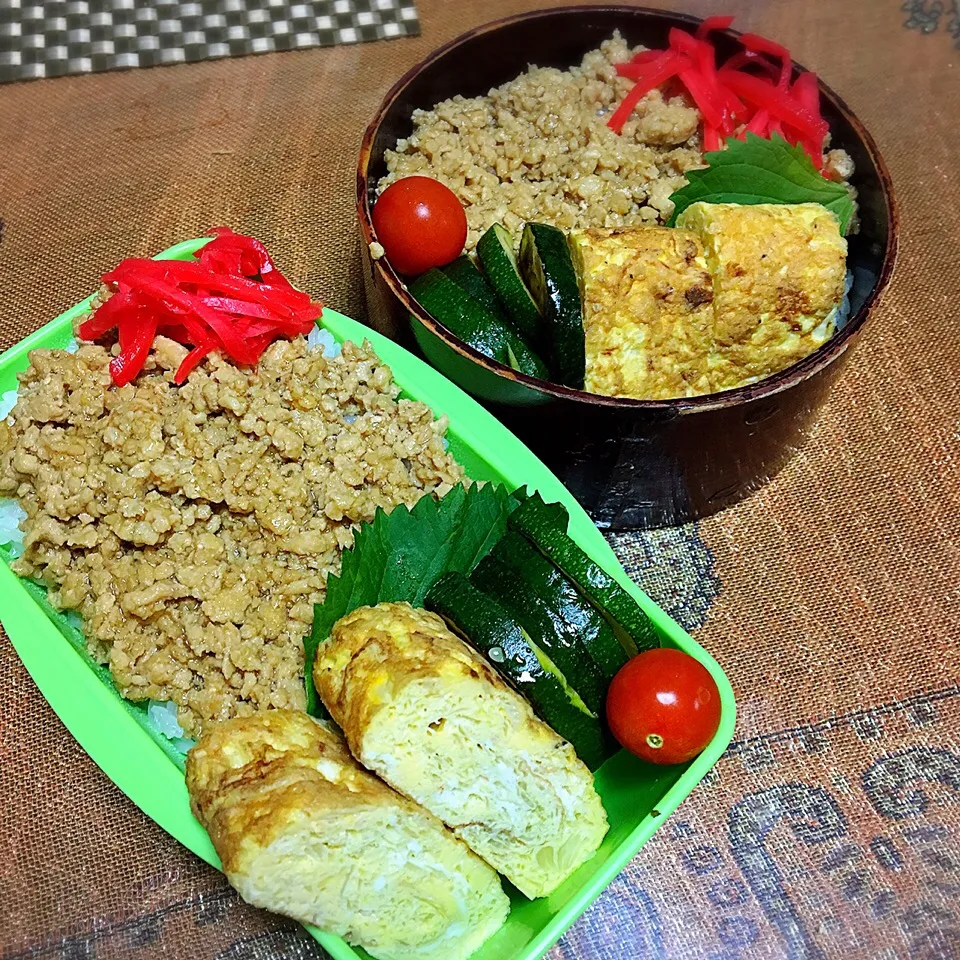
(56, 38)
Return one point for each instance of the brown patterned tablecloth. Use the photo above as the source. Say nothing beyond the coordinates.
(832, 826)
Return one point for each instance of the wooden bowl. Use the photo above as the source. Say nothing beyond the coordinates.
(631, 463)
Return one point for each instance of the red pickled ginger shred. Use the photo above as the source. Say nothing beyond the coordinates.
(231, 298)
(734, 99)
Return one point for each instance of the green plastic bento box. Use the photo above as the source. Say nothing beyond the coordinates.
(124, 743)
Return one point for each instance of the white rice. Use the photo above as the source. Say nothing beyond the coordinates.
(8, 401)
(835, 320)
(163, 715)
(843, 311)
(164, 718)
(318, 337)
(11, 515)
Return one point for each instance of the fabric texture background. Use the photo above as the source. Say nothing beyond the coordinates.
(831, 828)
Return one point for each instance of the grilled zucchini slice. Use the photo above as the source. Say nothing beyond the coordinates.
(495, 250)
(487, 626)
(467, 319)
(466, 275)
(562, 623)
(540, 523)
(547, 266)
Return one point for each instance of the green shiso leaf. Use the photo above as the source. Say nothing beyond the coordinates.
(398, 557)
(757, 170)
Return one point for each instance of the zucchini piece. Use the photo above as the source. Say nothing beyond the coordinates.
(547, 267)
(495, 250)
(467, 319)
(548, 607)
(596, 634)
(487, 627)
(466, 275)
(538, 522)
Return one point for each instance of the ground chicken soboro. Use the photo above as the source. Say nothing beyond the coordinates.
(193, 528)
(539, 148)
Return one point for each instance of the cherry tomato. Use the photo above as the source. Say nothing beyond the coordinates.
(664, 706)
(420, 223)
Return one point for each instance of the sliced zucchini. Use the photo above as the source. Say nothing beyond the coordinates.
(495, 250)
(538, 522)
(467, 319)
(547, 267)
(521, 357)
(466, 275)
(549, 608)
(488, 627)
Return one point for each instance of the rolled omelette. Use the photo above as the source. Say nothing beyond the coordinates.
(647, 312)
(778, 277)
(430, 715)
(303, 830)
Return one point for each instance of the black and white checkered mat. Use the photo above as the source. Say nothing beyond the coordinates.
(59, 37)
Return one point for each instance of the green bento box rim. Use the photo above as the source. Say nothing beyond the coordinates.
(136, 763)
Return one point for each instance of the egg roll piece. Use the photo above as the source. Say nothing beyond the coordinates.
(778, 276)
(434, 719)
(647, 312)
(303, 830)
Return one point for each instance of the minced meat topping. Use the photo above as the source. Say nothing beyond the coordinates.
(194, 527)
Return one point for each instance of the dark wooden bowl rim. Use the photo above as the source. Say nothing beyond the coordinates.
(816, 361)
